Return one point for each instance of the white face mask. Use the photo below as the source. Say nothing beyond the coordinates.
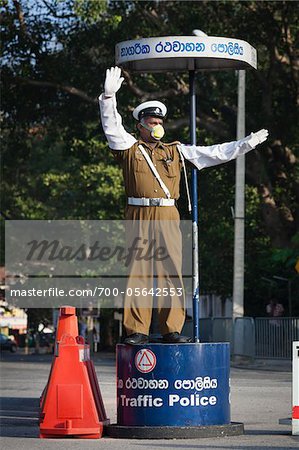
(157, 132)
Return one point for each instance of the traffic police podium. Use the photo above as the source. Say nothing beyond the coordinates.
(173, 391)
(178, 390)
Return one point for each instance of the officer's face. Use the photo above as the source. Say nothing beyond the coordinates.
(151, 122)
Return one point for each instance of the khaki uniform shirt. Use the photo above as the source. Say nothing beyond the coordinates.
(138, 177)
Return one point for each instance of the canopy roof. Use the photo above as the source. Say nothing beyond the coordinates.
(181, 53)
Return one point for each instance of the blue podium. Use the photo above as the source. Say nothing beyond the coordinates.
(173, 391)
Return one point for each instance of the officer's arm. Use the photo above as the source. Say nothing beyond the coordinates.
(207, 156)
(117, 136)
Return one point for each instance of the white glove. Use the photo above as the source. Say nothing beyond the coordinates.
(257, 138)
(113, 81)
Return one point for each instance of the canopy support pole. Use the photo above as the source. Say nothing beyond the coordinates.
(195, 250)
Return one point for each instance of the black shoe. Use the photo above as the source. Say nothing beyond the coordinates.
(136, 338)
(175, 338)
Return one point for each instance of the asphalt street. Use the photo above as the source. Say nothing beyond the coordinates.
(261, 395)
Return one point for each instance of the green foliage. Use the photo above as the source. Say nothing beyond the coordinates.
(89, 11)
(288, 256)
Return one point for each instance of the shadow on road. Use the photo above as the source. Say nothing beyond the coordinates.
(19, 416)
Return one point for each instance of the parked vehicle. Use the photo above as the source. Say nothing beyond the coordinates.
(7, 344)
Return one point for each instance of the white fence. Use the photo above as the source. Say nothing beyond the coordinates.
(262, 337)
(274, 336)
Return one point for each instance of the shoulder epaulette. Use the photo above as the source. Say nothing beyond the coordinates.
(172, 143)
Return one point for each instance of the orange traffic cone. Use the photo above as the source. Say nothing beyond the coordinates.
(72, 405)
(67, 324)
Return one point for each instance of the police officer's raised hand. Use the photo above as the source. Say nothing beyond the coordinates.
(257, 138)
(113, 81)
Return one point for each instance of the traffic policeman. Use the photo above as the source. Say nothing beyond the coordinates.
(151, 171)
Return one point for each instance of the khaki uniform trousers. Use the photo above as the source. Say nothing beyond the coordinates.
(158, 225)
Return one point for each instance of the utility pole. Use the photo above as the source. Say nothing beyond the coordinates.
(239, 216)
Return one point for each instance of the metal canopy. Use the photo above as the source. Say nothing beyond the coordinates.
(182, 53)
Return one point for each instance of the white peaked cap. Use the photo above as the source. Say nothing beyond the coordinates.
(152, 108)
